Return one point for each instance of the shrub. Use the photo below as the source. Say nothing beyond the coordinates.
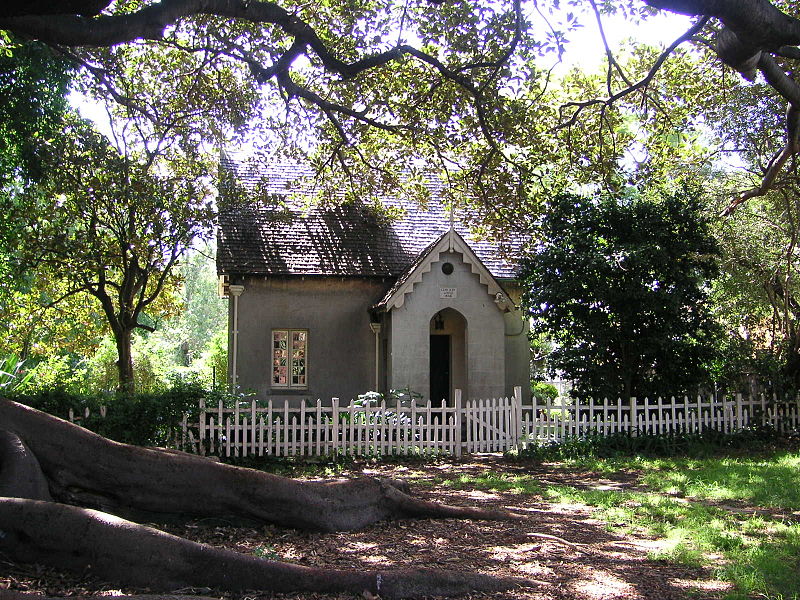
(57, 372)
(12, 373)
(145, 419)
(660, 445)
(212, 365)
(544, 391)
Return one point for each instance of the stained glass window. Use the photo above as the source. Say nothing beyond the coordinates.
(289, 358)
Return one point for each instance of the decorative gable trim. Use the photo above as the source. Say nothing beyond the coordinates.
(450, 241)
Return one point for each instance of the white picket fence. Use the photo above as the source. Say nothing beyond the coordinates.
(357, 430)
(559, 419)
(465, 427)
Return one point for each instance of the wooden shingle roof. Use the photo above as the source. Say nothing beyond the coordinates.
(342, 240)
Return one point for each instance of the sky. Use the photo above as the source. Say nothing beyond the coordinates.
(585, 49)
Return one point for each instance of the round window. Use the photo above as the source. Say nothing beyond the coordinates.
(447, 268)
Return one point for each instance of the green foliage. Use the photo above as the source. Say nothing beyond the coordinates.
(707, 443)
(112, 226)
(57, 373)
(13, 374)
(33, 89)
(196, 331)
(212, 366)
(194, 343)
(543, 391)
(757, 293)
(620, 286)
(152, 419)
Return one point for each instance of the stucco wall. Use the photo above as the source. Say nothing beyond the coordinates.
(485, 332)
(341, 346)
(518, 350)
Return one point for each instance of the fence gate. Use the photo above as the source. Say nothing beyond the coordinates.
(491, 425)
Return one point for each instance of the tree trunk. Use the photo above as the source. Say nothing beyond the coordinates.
(84, 468)
(123, 340)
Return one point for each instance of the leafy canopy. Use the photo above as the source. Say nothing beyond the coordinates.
(620, 285)
(111, 226)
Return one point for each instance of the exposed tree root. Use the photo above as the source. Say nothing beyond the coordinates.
(554, 538)
(86, 469)
(85, 540)
(20, 475)
(80, 467)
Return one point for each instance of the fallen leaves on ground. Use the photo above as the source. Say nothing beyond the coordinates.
(570, 554)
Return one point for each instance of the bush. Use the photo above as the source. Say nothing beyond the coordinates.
(544, 391)
(662, 445)
(57, 372)
(212, 365)
(146, 419)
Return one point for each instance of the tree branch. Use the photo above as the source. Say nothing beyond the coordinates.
(580, 106)
(757, 22)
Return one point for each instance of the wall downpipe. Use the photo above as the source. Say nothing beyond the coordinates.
(235, 291)
(376, 329)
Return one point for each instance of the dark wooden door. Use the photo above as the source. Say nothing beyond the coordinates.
(440, 369)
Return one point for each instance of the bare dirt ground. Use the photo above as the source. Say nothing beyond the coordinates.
(564, 549)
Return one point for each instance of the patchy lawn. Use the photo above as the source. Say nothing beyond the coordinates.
(583, 536)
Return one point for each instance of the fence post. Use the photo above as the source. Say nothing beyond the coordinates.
(184, 429)
(516, 415)
(220, 430)
(201, 423)
(739, 416)
(335, 432)
(253, 427)
(457, 440)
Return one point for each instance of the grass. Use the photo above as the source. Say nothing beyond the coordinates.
(733, 513)
(766, 481)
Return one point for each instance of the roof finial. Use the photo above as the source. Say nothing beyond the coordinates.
(452, 214)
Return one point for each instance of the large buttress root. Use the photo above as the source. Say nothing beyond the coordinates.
(20, 474)
(121, 551)
(44, 458)
(86, 469)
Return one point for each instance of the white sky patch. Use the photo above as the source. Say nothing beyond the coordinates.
(585, 46)
(584, 49)
(92, 110)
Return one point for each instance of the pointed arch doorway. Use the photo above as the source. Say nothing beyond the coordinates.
(448, 355)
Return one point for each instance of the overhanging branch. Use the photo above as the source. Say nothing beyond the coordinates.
(581, 106)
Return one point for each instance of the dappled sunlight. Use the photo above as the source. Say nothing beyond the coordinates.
(361, 547)
(600, 583)
(563, 545)
(528, 509)
(569, 507)
(418, 541)
(712, 586)
(517, 553)
(535, 570)
(377, 559)
(623, 548)
(479, 495)
(719, 480)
